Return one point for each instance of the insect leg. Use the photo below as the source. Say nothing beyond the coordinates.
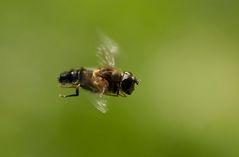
(71, 95)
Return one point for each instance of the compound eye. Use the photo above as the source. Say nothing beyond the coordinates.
(127, 85)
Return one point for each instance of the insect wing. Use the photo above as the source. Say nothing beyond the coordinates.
(106, 51)
(101, 105)
(100, 102)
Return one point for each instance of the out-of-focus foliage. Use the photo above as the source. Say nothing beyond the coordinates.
(184, 52)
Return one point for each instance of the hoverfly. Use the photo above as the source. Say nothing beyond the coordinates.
(106, 80)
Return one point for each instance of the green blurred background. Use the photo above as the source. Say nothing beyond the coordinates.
(185, 53)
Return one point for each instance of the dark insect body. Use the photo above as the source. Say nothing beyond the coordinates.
(104, 80)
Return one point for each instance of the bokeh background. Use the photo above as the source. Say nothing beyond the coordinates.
(185, 53)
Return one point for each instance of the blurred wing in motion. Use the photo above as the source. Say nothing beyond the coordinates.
(106, 51)
(100, 102)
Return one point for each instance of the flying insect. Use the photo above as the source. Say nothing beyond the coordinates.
(105, 80)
